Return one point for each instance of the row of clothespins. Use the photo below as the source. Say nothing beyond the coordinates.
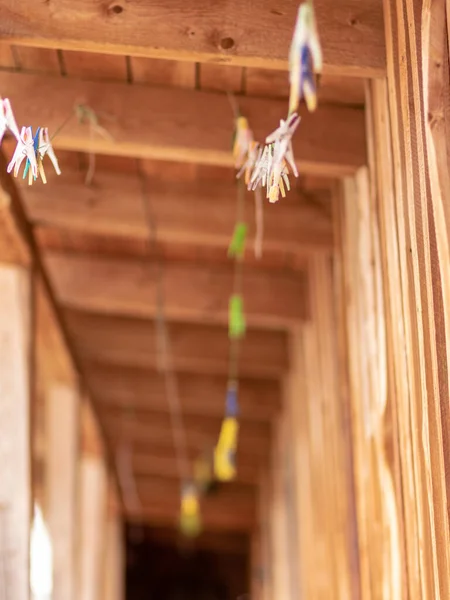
(30, 148)
(269, 165)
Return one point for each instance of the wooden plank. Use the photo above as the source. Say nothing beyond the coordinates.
(15, 450)
(192, 292)
(181, 125)
(62, 432)
(199, 394)
(201, 432)
(353, 39)
(153, 460)
(202, 212)
(196, 348)
(233, 509)
(114, 566)
(92, 526)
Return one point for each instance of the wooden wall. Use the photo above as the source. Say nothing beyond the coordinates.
(369, 395)
(51, 449)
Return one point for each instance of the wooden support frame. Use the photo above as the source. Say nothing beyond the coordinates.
(146, 122)
(353, 39)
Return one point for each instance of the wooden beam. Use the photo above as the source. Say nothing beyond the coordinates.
(127, 387)
(92, 507)
(158, 461)
(238, 34)
(15, 447)
(114, 559)
(180, 125)
(232, 509)
(196, 348)
(61, 479)
(192, 292)
(199, 212)
(201, 432)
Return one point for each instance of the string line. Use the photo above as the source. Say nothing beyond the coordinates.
(165, 365)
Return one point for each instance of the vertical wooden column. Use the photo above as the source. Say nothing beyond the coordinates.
(58, 401)
(408, 127)
(317, 408)
(15, 483)
(92, 508)
(114, 563)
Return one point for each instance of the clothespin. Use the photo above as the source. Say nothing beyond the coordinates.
(243, 137)
(262, 168)
(248, 166)
(225, 452)
(7, 119)
(190, 521)
(305, 59)
(45, 148)
(280, 141)
(24, 149)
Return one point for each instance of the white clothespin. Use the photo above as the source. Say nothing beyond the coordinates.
(7, 120)
(45, 148)
(24, 149)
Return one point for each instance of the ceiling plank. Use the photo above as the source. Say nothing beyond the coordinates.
(199, 212)
(241, 34)
(154, 461)
(232, 509)
(201, 432)
(180, 125)
(192, 292)
(143, 390)
(195, 348)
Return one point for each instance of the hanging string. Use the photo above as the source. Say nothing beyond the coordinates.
(259, 220)
(165, 364)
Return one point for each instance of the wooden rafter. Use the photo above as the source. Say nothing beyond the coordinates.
(180, 125)
(255, 35)
(192, 292)
(201, 432)
(199, 212)
(196, 347)
(144, 390)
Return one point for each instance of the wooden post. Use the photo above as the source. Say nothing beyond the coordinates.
(114, 563)
(15, 483)
(316, 421)
(92, 507)
(61, 482)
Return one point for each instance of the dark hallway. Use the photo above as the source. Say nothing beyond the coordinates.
(162, 566)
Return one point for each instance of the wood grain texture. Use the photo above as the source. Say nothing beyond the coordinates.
(419, 108)
(201, 213)
(181, 125)
(196, 348)
(192, 292)
(239, 34)
(143, 390)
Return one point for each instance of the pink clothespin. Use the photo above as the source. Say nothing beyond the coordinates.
(24, 149)
(7, 120)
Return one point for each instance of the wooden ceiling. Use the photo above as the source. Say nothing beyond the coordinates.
(158, 85)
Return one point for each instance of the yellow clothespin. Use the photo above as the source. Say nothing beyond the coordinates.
(225, 451)
(190, 521)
